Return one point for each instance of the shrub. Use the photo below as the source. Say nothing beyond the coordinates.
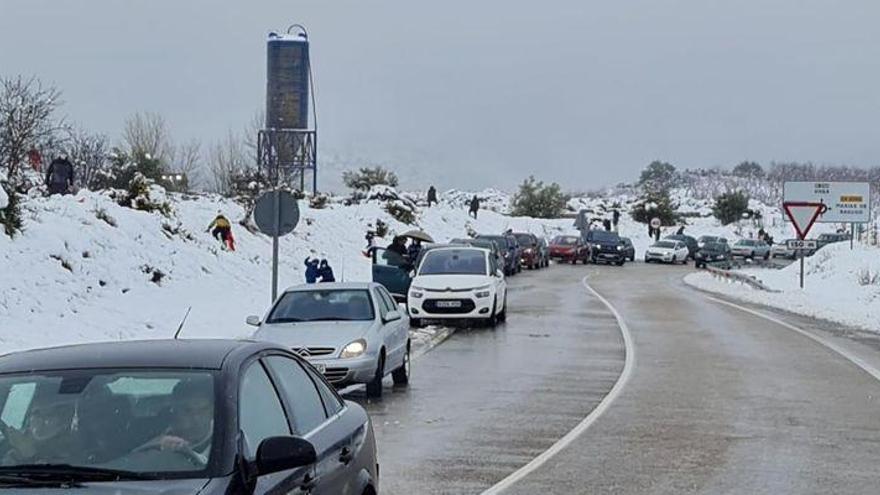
(656, 205)
(101, 214)
(319, 201)
(748, 169)
(731, 206)
(144, 195)
(867, 277)
(535, 199)
(10, 216)
(366, 177)
(401, 212)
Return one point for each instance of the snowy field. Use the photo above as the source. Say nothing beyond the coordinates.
(840, 285)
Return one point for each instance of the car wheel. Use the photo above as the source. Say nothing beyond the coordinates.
(416, 323)
(493, 318)
(675, 260)
(502, 316)
(374, 387)
(574, 261)
(766, 256)
(620, 263)
(401, 375)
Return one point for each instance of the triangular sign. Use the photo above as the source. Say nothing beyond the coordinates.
(803, 215)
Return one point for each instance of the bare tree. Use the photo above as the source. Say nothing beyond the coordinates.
(226, 159)
(146, 134)
(251, 130)
(188, 161)
(89, 154)
(27, 120)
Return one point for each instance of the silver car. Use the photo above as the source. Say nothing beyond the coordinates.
(350, 332)
(751, 249)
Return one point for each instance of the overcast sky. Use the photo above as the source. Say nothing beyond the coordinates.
(581, 92)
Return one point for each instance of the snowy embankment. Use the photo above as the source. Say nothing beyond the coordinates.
(87, 269)
(840, 285)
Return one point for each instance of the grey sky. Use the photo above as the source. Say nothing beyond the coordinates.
(577, 91)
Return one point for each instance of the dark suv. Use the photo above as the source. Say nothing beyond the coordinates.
(509, 250)
(605, 247)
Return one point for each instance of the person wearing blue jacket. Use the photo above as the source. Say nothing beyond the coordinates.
(312, 271)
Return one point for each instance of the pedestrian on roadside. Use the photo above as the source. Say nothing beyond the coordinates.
(59, 176)
(657, 234)
(615, 218)
(432, 196)
(607, 224)
(325, 272)
(312, 272)
(680, 230)
(475, 206)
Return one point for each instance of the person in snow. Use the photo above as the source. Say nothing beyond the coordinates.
(432, 196)
(222, 231)
(615, 218)
(607, 224)
(59, 176)
(657, 234)
(680, 231)
(398, 245)
(475, 206)
(312, 272)
(325, 272)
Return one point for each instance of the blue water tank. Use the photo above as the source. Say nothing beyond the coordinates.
(287, 82)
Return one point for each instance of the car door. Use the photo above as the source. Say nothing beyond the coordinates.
(395, 330)
(499, 281)
(310, 419)
(392, 271)
(261, 415)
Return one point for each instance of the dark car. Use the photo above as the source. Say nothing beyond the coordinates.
(178, 416)
(605, 247)
(510, 250)
(531, 255)
(569, 249)
(485, 244)
(712, 252)
(688, 241)
(706, 239)
(629, 251)
(826, 239)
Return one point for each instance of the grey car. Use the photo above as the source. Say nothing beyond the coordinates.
(351, 332)
(750, 249)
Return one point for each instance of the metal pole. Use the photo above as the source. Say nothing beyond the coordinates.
(277, 222)
(802, 269)
(852, 235)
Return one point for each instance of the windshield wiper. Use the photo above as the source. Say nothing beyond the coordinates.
(284, 320)
(69, 473)
(14, 480)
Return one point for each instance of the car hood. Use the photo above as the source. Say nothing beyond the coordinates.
(454, 282)
(661, 250)
(334, 334)
(152, 487)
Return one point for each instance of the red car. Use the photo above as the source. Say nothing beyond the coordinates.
(531, 251)
(569, 248)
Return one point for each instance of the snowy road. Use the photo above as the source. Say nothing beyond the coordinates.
(719, 401)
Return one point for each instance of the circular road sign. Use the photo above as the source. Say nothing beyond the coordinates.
(287, 213)
(656, 223)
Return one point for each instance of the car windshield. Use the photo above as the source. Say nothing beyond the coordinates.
(565, 240)
(664, 244)
(604, 236)
(139, 422)
(454, 262)
(524, 239)
(323, 305)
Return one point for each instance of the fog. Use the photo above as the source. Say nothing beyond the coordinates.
(483, 93)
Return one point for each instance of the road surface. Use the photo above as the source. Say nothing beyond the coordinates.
(719, 400)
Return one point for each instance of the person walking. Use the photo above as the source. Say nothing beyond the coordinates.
(680, 231)
(312, 271)
(615, 218)
(607, 224)
(59, 176)
(325, 272)
(432, 196)
(221, 230)
(475, 206)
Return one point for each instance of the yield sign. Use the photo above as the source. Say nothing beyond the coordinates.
(803, 215)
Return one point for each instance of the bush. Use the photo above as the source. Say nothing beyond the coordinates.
(534, 199)
(144, 195)
(658, 177)
(319, 201)
(366, 177)
(748, 169)
(401, 212)
(10, 216)
(656, 205)
(730, 207)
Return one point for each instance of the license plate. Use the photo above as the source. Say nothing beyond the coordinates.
(448, 304)
(320, 367)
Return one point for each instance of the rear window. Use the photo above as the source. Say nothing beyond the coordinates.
(565, 240)
(524, 239)
(501, 241)
(454, 262)
(665, 244)
(603, 236)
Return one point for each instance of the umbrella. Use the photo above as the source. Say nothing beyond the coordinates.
(418, 234)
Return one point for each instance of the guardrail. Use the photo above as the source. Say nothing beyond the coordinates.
(741, 278)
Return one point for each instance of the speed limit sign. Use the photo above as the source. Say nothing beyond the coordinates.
(656, 223)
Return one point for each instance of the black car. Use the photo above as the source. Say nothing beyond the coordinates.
(688, 241)
(712, 252)
(178, 416)
(605, 247)
(485, 244)
(629, 251)
(509, 249)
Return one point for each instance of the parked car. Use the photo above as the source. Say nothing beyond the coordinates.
(530, 256)
(351, 332)
(569, 249)
(544, 252)
(179, 416)
(826, 239)
(750, 249)
(707, 239)
(510, 250)
(605, 247)
(485, 244)
(458, 283)
(688, 241)
(629, 251)
(712, 252)
(667, 251)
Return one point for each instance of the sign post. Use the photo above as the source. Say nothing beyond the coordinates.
(803, 215)
(276, 214)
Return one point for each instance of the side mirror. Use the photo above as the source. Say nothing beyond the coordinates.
(392, 316)
(253, 320)
(282, 453)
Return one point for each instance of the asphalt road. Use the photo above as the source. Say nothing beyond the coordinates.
(719, 400)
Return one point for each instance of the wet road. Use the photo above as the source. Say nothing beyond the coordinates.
(719, 400)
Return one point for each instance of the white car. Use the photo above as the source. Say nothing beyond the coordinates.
(667, 251)
(751, 249)
(458, 283)
(350, 332)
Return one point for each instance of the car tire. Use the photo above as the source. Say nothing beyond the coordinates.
(502, 316)
(374, 387)
(416, 323)
(492, 320)
(674, 260)
(401, 374)
(766, 256)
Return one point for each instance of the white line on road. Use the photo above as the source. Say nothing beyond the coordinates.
(861, 363)
(604, 404)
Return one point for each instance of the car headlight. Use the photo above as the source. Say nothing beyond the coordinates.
(415, 294)
(354, 349)
(620, 248)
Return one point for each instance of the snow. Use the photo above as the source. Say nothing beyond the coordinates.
(840, 285)
(4, 199)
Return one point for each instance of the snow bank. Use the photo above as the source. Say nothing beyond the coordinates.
(840, 285)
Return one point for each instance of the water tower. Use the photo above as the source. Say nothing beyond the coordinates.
(288, 146)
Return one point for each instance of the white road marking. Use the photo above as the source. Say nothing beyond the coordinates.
(604, 404)
(861, 363)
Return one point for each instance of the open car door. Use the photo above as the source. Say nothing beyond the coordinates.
(393, 271)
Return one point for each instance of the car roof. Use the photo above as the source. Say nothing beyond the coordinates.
(460, 247)
(165, 353)
(332, 286)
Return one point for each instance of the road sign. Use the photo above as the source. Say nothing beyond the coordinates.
(803, 215)
(847, 202)
(801, 244)
(286, 210)
(656, 223)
